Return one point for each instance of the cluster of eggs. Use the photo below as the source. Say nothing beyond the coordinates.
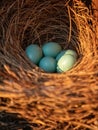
(51, 58)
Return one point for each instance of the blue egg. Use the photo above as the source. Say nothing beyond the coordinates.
(34, 53)
(48, 64)
(69, 51)
(51, 49)
(60, 54)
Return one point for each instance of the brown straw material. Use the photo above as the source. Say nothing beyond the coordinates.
(67, 101)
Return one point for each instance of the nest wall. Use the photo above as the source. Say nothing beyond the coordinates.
(68, 100)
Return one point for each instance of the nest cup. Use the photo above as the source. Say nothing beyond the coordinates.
(49, 101)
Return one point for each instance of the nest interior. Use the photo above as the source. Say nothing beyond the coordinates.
(66, 101)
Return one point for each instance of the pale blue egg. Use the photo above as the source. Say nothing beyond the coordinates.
(59, 70)
(51, 49)
(48, 64)
(69, 51)
(65, 63)
(60, 54)
(34, 53)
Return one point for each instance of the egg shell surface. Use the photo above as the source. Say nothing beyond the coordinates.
(71, 52)
(63, 52)
(51, 49)
(34, 53)
(60, 54)
(65, 63)
(48, 64)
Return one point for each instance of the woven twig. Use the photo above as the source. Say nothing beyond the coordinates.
(66, 101)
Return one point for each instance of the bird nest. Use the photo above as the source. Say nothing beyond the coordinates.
(40, 100)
